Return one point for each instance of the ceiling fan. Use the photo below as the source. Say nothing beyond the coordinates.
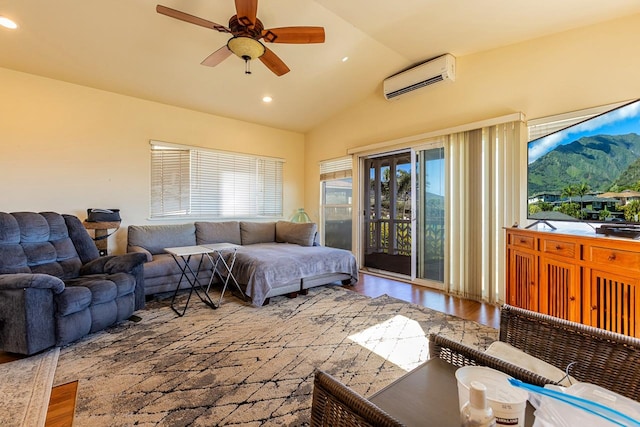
(247, 31)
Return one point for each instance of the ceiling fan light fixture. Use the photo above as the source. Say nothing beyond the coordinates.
(246, 47)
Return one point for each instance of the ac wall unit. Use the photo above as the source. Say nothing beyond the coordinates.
(440, 69)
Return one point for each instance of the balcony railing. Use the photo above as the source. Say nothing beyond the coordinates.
(391, 236)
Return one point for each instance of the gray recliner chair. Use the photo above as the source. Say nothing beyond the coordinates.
(54, 286)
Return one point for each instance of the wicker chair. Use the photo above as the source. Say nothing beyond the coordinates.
(589, 354)
(335, 405)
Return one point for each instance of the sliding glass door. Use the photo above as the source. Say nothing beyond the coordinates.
(388, 213)
(430, 204)
(403, 223)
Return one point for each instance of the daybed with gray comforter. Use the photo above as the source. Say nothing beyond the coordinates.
(275, 258)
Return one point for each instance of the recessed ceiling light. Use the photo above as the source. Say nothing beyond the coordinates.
(267, 99)
(345, 59)
(8, 23)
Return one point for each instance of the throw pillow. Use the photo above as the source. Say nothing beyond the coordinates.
(218, 232)
(155, 238)
(257, 232)
(302, 234)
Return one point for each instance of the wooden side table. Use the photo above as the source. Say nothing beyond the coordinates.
(101, 232)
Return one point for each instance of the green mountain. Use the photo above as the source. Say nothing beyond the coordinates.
(600, 161)
(630, 177)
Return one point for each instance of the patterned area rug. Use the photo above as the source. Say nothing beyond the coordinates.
(25, 389)
(241, 365)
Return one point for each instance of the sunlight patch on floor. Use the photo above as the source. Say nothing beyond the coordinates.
(399, 340)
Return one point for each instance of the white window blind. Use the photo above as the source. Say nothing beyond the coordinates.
(335, 169)
(196, 182)
(170, 179)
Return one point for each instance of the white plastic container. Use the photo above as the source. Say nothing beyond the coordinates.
(508, 403)
(554, 413)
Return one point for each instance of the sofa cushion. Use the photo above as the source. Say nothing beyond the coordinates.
(257, 232)
(9, 229)
(102, 289)
(33, 227)
(72, 300)
(125, 283)
(13, 260)
(45, 244)
(218, 232)
(302, 234)
(155, 238)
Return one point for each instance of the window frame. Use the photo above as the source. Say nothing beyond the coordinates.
(190, 182)
(334, 170)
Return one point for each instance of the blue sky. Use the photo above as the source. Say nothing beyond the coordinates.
(621, 121)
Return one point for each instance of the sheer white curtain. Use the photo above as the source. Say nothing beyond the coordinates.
(486, 184)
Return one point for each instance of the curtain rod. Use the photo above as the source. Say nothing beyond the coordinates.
(514, 117)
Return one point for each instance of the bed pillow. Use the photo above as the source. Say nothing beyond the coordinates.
(302, 234)
(515, 356)
(257, 232)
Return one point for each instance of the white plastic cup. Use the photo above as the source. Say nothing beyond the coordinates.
(508, 402)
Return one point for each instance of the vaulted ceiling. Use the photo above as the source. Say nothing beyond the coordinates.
(124, 46)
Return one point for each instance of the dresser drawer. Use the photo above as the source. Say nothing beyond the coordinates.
(558, 247)
(614, 257)
(522, 241)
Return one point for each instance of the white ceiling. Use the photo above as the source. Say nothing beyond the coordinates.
(124, 46)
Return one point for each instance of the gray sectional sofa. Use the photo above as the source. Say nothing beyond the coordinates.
(275, 258)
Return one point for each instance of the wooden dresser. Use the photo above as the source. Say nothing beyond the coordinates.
(586, 278)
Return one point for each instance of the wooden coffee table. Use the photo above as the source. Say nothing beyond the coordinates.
(428, 395)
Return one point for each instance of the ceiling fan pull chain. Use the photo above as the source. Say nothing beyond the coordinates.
(247, 67)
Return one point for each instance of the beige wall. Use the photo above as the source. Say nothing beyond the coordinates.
(577, 69)
(66, 148)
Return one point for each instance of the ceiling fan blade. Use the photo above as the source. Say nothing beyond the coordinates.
(247, 10)
(217, 57)
(191, 19)
(274, 63)
(299, 35)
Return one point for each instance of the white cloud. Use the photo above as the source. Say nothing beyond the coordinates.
(550, 142)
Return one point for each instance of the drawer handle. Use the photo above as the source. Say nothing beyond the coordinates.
(558, 247)
(523, 241)
(594, 307)
(612, 257)
(572, 298)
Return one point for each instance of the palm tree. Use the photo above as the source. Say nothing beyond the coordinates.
(581, 190)
(569, 192)
(567, 208)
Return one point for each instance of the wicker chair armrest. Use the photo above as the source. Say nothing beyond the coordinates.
(335, 404)
(461, 355)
